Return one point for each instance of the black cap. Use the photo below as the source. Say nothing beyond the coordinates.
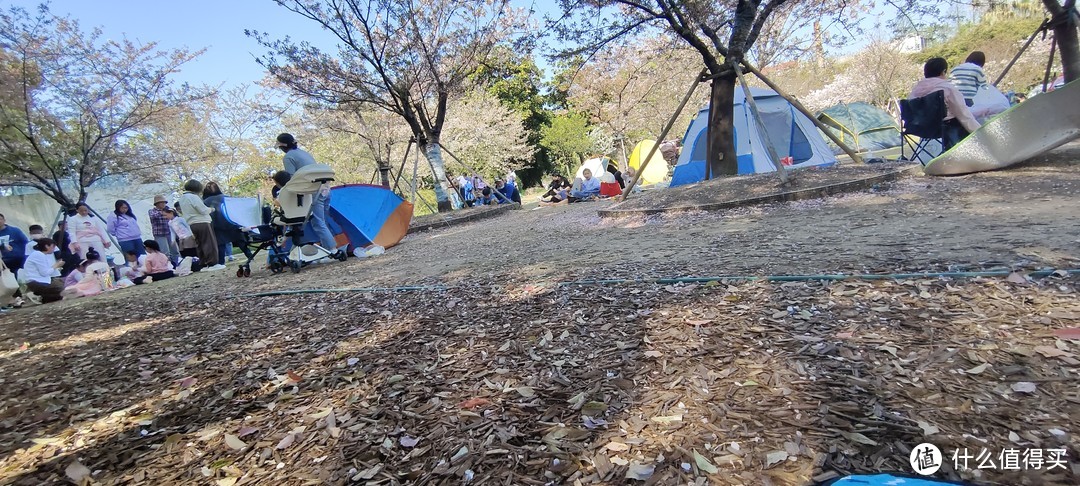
(286, 138)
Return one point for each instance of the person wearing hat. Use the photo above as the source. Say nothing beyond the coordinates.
(295, 158)
(160, 227)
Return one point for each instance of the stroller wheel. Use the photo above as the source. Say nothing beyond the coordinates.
(247, 270)
(295, 266)
(342, 255)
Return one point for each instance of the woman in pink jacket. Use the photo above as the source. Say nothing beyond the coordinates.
(85, 232)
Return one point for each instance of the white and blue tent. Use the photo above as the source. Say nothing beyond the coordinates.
(791, 133)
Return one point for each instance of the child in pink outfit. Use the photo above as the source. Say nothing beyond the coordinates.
(155, 266)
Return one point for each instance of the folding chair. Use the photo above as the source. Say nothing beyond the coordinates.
(924, 118)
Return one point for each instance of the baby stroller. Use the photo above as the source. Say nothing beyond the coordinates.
(286, 225)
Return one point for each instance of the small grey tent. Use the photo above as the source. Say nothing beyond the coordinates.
(864, 127)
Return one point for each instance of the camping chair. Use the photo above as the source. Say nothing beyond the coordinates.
(924, 118)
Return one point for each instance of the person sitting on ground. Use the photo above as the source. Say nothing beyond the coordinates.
(959, 122)
(506, 193)
(968, 77)
(155, 266)
(487, 196)
(588, 190)
(130, 268)
(556, 190)
(96, 279)
(75, 275)
(42, 271)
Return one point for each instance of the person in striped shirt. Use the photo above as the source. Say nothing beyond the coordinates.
(969, 76)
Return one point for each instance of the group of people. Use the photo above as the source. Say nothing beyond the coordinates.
(473, 191)
(961, 87)
(585, 188)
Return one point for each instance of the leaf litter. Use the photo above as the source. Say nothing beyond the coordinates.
(751, 395)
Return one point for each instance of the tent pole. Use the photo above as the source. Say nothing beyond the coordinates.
(467, 166)
(415, 167)
(1049, 64)
(1020, 53)
(663, 133)
(799, 106)
(773, 157)
(401, 169)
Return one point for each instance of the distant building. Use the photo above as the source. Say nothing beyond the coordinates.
(909, 45)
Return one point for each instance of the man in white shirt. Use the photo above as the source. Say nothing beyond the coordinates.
(959, 122)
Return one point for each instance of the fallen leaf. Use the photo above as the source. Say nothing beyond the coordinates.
(234, 442)
(293, 376)
(1017, 278)
(693, 322)
(617, 446)
(1024, 387)
(775, 457)
(640, 471)
(618, 461)
(525, 391)
(474, 402)
(703, 463)
(76, 472)
(246, 431)
(407, 441)
(368, 473)
(146, 374)
(228, 394)
(857, 437)
(188, 382)
(653, 354)
(286, 442)
(928, 428)
(227, 481)
(1068, 333)
(978, 369)
(352, 361)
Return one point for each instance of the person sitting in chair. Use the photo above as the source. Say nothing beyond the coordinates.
(959, 122)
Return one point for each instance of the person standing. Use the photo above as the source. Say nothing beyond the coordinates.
(12, 245)
(225, 231)
(159, 226)
(63, 243)
(85, 232)
(294, 159)
(197, 215)
(123, 226)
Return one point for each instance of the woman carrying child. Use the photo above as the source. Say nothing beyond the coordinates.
(42, 271)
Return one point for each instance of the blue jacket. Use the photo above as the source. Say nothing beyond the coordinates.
(17, 240)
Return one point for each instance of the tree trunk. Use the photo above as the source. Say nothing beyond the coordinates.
(1068, 45)
(384, 174)
(433, 154)
(720, 156)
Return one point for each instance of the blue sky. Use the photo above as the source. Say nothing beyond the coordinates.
(217, 26)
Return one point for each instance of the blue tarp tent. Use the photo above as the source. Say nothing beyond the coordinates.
(791, 133)
(370, 214)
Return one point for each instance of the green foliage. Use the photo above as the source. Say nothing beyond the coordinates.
(992, 35)
(567, 138)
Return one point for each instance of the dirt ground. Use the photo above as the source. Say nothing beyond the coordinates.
(493, 373)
